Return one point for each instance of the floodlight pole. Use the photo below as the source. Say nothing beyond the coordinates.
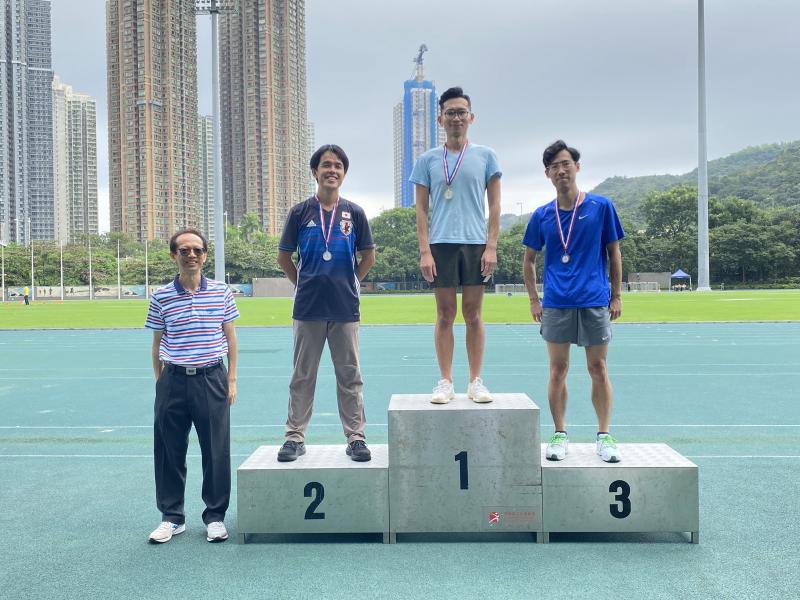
(61, 266)
(3, 267)
(33, 287)
(146, 274)
(214, 7)
(119, 279)
(702, 158)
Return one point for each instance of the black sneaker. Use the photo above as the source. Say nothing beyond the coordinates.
(291, 450)
(358, 451)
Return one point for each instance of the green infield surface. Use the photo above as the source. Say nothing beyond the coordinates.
(783, 305)
(77, 492)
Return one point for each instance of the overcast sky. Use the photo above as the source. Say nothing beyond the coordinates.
(616, 78)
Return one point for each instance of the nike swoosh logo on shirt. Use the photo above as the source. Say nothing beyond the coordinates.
(582, 217)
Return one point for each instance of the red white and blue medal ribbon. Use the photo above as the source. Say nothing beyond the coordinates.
(565, 242)
(327, 236)
(448, 177)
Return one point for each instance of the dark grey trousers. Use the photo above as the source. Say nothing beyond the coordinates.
(182, 400)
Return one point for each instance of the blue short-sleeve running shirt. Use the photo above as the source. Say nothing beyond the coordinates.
(327, 290)
(462, 218)
(583, 281)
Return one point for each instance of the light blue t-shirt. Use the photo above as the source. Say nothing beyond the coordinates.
(460, 220)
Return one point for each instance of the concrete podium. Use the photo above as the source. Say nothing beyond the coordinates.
(464, 467)
(653, 489)
(323, 491)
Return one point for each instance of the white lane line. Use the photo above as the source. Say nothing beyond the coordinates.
(112, 427)
(150, 456)
(262, 426)
(744, 456)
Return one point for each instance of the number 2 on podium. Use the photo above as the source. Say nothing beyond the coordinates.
(463, 469)
(315, 488)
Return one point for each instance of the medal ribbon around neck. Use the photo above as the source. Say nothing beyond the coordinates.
(327, 237)
(447, 176)
(565, 243)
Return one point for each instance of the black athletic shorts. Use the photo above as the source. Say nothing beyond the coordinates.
(457, 264)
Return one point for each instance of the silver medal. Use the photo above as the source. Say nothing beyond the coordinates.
(327, 255)
(449, 193)
(565, 258)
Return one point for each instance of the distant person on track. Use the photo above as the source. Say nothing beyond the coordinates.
(192, 321)
(458, 248)
(334, 242)
(580, 235)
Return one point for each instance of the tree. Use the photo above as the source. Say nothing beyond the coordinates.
(395, 232)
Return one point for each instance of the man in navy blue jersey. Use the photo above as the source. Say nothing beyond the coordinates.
(580, 235)
(328, 232)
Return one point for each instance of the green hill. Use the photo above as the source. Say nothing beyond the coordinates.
(768, 175)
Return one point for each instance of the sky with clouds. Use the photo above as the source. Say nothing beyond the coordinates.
(616, 79)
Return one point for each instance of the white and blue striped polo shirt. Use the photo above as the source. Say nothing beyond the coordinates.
(192, 323)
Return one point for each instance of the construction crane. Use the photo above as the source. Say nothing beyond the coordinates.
(418, 62)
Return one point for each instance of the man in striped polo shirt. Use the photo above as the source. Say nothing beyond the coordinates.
(192, 322)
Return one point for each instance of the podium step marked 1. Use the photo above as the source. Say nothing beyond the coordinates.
(653, 489)
(323, 491)
(464, 467)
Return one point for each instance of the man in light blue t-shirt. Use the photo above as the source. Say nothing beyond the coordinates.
(458, 249)
(580, 235)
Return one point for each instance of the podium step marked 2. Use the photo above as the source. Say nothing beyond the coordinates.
(464, 467)
(323, 491)
(653, 489)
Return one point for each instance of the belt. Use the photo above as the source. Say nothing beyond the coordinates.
(193, 370)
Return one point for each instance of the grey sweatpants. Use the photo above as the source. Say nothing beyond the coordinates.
(309, 340)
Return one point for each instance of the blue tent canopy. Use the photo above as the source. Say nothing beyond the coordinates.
(679, 274)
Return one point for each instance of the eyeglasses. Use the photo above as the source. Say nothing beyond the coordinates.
(561, 164)
(188, 251)
(453, 114)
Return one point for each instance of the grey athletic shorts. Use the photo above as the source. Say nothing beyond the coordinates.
(581, 326)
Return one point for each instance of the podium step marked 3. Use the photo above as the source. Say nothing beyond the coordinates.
(464, 467)
(323, 491)
(653, 489)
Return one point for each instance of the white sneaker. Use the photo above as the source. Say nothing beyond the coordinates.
(557, 446)
(216, 532)
(607, 448)
(477, 392)
(165, 531)
(443, 392)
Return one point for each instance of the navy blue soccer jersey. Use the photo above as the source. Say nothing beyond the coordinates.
(327, 290)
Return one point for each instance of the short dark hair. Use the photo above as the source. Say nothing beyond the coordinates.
(173, 241)
(556, 147)
(453, 92)
(337, 150)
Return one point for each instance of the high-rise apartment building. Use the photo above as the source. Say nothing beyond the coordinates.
(26, 130)
(152, 116)
(74, 163)
(415, 130)
(264, 113)
(205, 176)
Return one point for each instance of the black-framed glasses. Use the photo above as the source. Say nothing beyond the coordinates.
(188, 251)
(560, 164)
(456, 114)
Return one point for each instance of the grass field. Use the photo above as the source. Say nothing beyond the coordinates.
(734, 306)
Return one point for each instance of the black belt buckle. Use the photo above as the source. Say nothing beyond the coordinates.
(191, 370)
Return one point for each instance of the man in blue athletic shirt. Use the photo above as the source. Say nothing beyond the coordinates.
(458, 249)
(580, 233)
(326, 231)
